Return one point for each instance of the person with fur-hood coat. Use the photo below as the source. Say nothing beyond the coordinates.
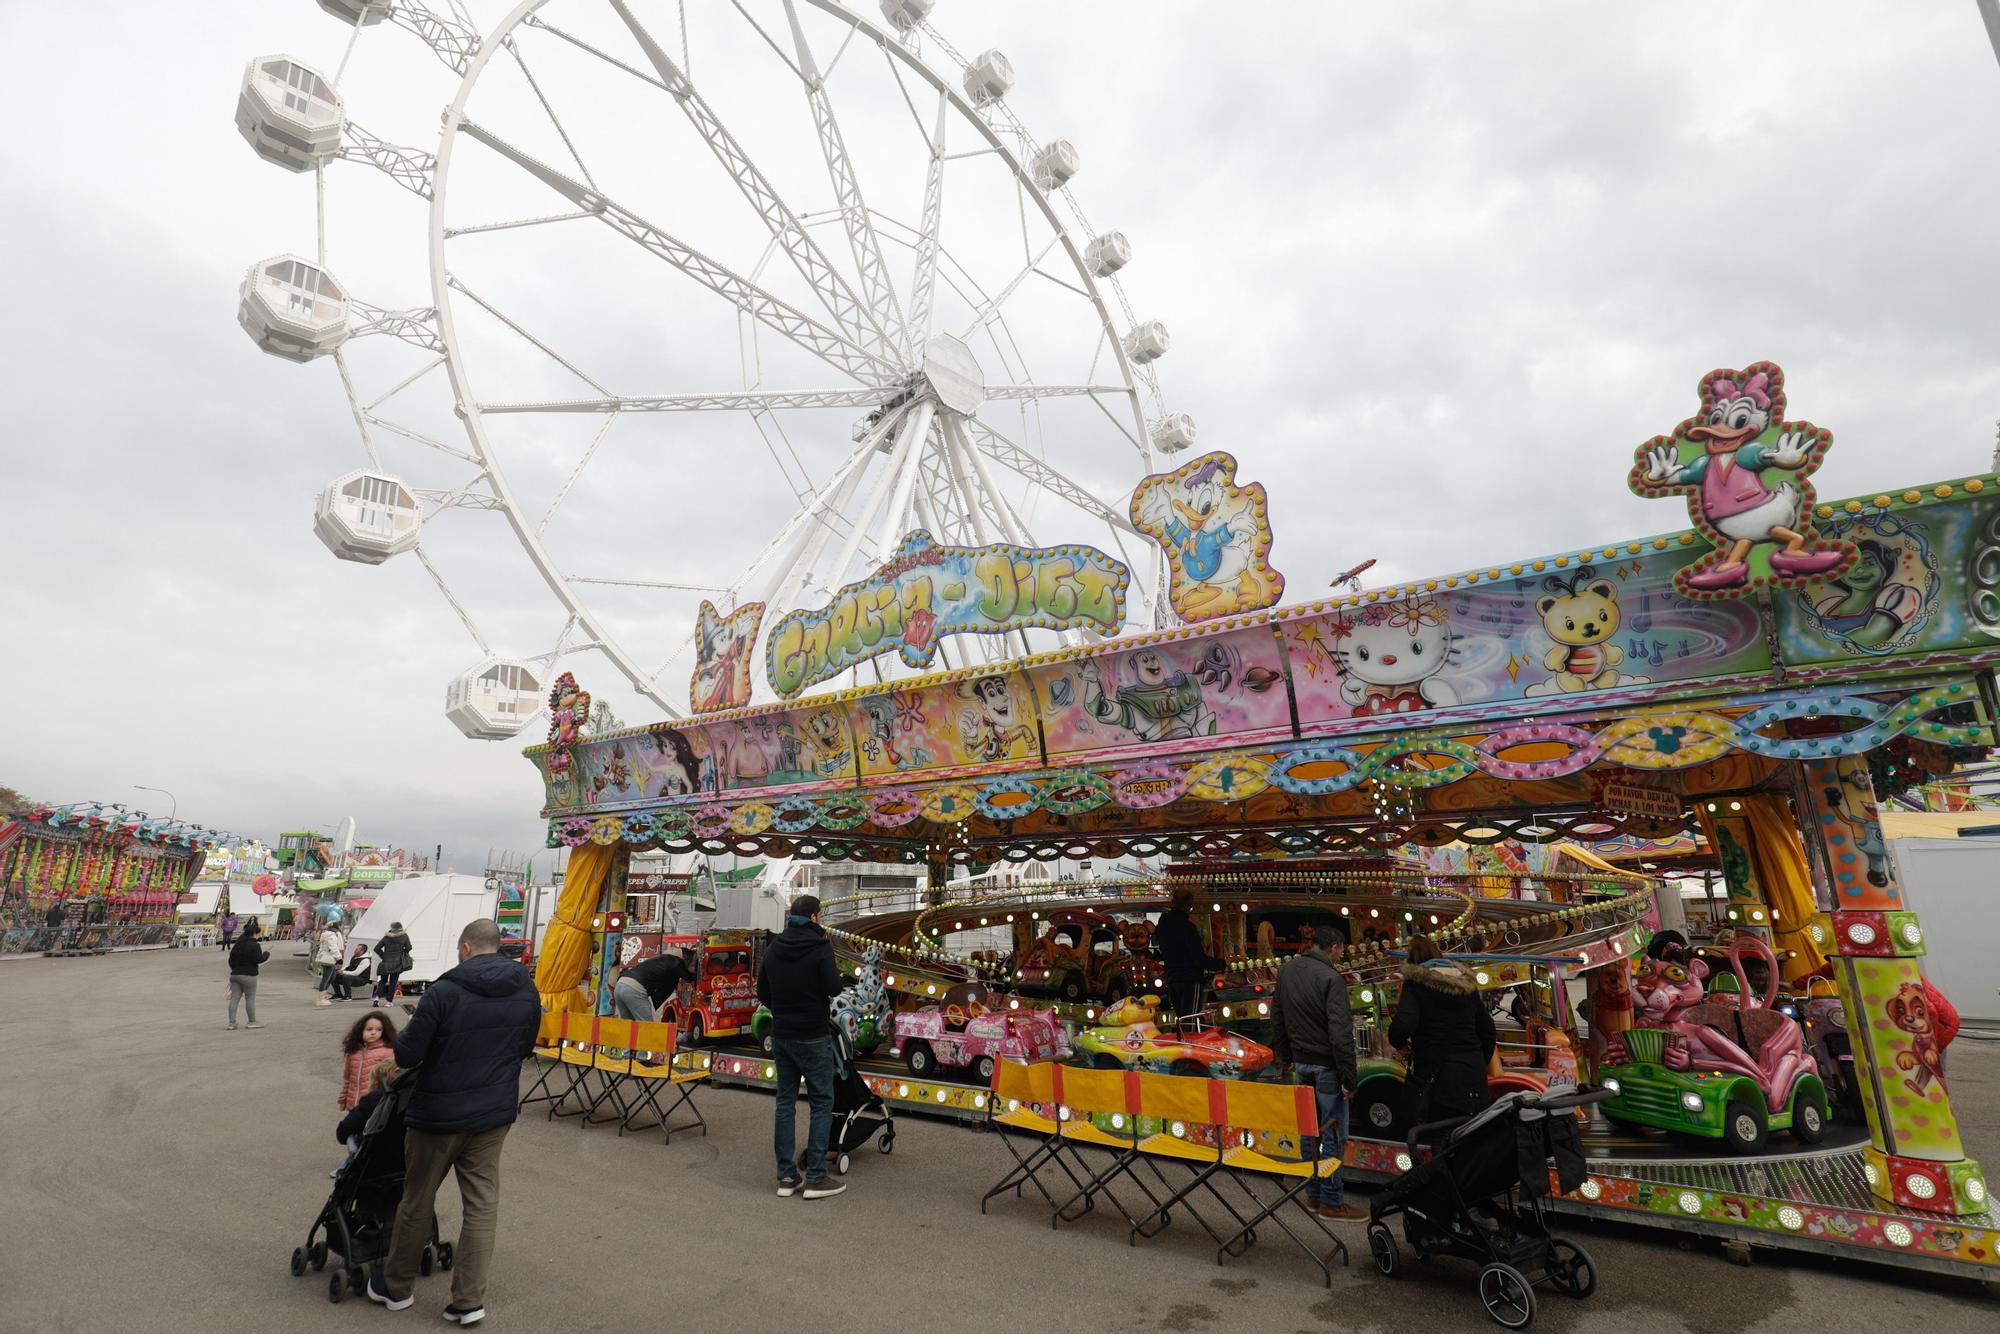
(1444, 1027)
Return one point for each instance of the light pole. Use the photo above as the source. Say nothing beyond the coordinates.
(174, 807)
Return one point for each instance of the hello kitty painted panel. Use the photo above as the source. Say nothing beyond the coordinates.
(1163, 694)
(1579, 631)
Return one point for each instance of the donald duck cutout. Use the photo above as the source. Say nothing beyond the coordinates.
(1744, 472)
(1217, 537)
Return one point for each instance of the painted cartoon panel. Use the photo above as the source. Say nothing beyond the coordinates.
(1217, 536)
(661, 762)
(1163, 693)
(722, 657)
(978, 720)
(1900, 595)
(1567, 628)
(1744, 471)
(810, 743)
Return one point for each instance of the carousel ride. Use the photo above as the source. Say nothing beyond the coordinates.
(902, 668)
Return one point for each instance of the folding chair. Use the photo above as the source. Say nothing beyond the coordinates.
(548, 1050)
(678, 1071)
(1184, 1104)
(1083, 1094)
(579, 1054)
(1018, 1088)
(1290, 1113)
(616, 1056)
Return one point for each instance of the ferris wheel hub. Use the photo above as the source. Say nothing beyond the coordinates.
(953, 374)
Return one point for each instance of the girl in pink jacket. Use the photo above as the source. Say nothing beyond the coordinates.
(369, 1043)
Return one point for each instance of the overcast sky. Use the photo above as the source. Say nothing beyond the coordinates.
(1432, 271)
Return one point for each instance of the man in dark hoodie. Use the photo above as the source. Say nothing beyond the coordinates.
(1315, 1034)
(466, 1042)
(1182, 957)
(797, 982)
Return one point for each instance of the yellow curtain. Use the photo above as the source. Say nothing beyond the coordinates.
(567, 944)
(1780, 859)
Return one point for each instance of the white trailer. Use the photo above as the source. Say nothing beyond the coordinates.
(433, 910)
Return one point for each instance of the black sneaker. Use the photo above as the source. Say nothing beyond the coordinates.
(464, 1315)
(377, 1294)
(825, 1186)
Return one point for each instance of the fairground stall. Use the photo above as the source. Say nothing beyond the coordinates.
(90, 876)
(1745, 677)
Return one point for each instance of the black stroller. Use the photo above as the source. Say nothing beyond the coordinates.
(359, 1217)
(1482, 1196)
(858, 1114)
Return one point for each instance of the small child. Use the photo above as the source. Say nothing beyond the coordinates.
(380, 1076)
(369, 1043)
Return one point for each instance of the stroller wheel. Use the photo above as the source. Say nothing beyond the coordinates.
(447, 1255)
(317, 1256)
(887, 1143)
(1382, 1247)
(426, 1262)
(842, 1164)
(336, 1287)
(1507, 1296)
(1570, 1269)
(298, 1261)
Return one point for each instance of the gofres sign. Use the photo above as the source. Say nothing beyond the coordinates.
(930, 590)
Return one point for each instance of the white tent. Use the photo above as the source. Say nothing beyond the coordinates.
(243, 901)
(433, 910)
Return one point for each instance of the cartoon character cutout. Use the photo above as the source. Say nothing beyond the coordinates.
(1853, 798)
(569, 710)
(991, 724)
(1155, 700)
(1744, 471)
(1217, 537)
(1390, 656)
(1580, 615)
(1924, 1059)
(827, 735)
(722, 656)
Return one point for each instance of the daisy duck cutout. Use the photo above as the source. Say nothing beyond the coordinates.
(1744, 472)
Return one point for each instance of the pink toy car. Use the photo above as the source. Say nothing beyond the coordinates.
(966, 1034)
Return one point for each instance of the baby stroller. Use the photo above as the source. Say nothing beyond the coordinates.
(360, 1215)
(858, 1114)
(1481, 1196)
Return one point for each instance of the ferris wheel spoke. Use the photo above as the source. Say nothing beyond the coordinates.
(986, 313)
(514, 50)
(1004, 451)
(1028, 391)
(458, 285)
(752, 400)
(418, 437)
(924, 286)
(886, 311)
(471, 628)
(854, 317)
(407, 167)
(582, 462)
(804, 537)
(646, 583)
(747, 296)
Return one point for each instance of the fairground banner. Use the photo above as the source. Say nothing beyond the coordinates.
(930, 590)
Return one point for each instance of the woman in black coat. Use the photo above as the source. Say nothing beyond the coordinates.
(1443, 1026)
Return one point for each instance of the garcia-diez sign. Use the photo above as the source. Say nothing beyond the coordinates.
(929, 590)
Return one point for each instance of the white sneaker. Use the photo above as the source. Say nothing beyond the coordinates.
(470, 1315)
(232, 1028)
(375, 1294)
(819, 1190)
(253, 1024)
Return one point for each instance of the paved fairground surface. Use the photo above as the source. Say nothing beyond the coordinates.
(158, 1170)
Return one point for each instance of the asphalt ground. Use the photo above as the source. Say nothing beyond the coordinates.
(156, 1171)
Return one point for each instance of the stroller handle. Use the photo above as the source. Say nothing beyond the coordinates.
(1585, 1096)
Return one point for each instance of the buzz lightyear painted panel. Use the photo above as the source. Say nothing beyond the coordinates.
(1217, 536)
(1167, 692)
(1614, 622)
(1744, 471)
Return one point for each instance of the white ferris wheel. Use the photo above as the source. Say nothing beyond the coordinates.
(693, 299)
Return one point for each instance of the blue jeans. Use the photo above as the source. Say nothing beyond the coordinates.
(632, 1001)
(1332, 1130)
(812, 1059)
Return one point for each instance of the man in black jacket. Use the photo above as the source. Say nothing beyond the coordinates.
(797, 982)
(1182, 957)
(466, 1042)
(1315, 1033)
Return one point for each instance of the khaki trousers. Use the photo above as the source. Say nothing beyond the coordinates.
(426, 1159)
